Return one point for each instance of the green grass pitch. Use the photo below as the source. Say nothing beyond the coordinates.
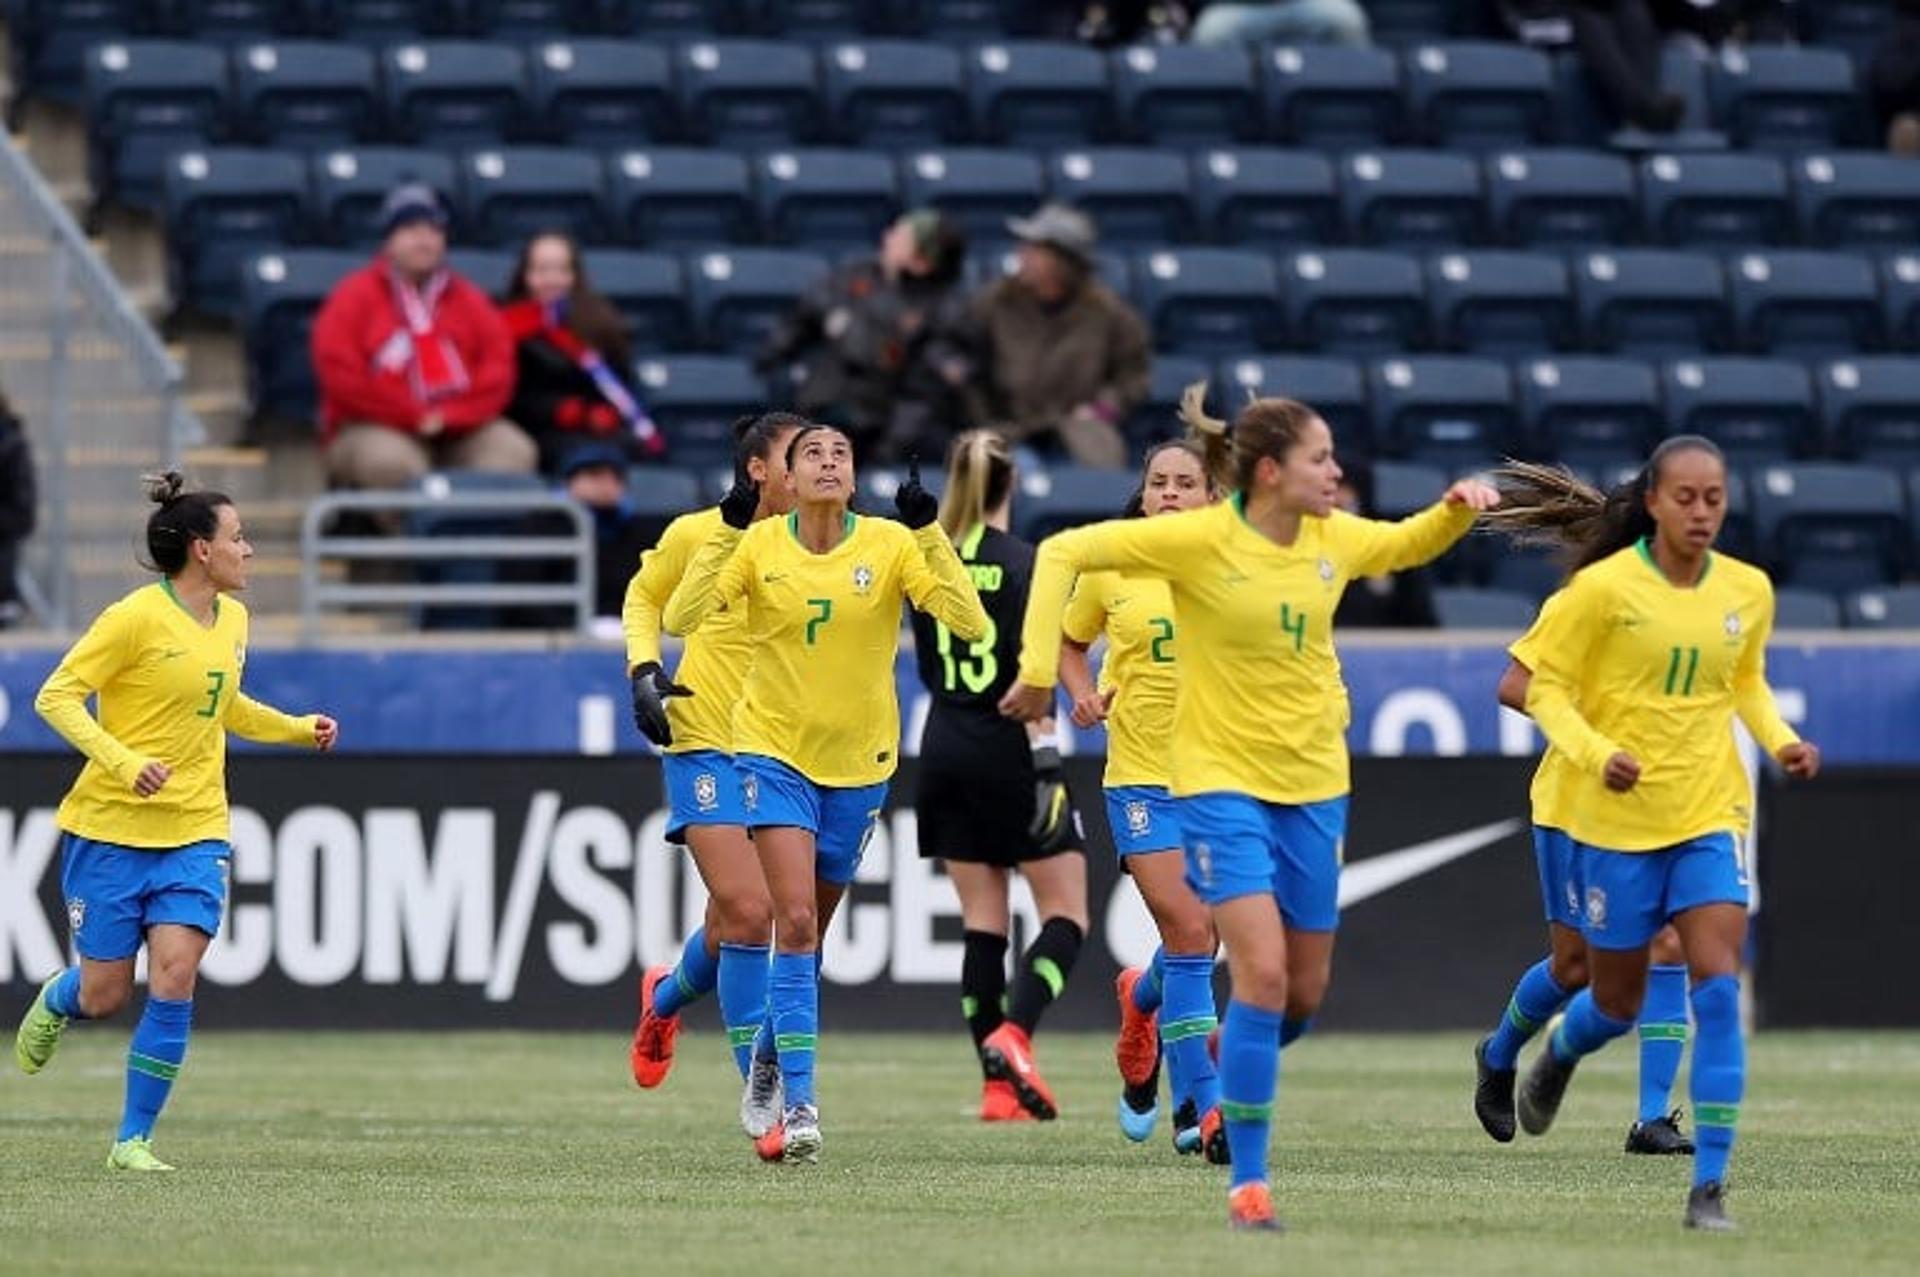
(522, 1153)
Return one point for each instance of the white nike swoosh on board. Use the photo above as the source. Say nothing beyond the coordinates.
(1367, 878)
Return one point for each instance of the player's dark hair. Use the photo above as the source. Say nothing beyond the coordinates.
(755, 434)
(1264, 428)
(808, 428)
(181, 519)
(1551, 506)
(979, 481)
(1205, 441)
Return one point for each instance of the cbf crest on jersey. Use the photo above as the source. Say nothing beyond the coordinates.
(1733, 624)
(1139, 819)
(1326, 570)
(706, 791)
(862, 578)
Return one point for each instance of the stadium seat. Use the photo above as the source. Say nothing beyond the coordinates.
(1550, 198)
(1529, 571)
(222, 206)
(739, 294)
(1466, 608)
(1900, 299)
(1334, 388)
(1805, 305)
(1265, 197)
(1185, 94)
(1500, 302)
(1158, 417)
(602, 93)
(1856, 27)
(1477, 95)
(1894, 608)
(1718, 201)
(1651, 301)
(800, 18)
(1784, 97)
(1448, 411)
(1038, 93)
(48, 42)
(452, 93)
(1060, 497)
(1208, 301)
(304, 93)
(1857, 198)
(431, 522)
(1401, 488)
(966, 19)
(978, 188)
(650, 292)
(1331, 97)
(1871, 408)
(657, 495)
(378, 23)
(1829, 526)
(488, 269)
(1756, 409)
(224, 21)
(1354, 301)
(659, 19)
(279, 293)
(889, 93)
(988, 262)
(878, 484)
(1411, 198)
(681, 197)
(749, 93)
(695, 399)
(145, 100)
(530, 20)
(1805, 610)
(826, 200)
(1585, 116)
(1589, 411)
(1397, 23)
(1134, 196)
(510, 193)
(350, 184)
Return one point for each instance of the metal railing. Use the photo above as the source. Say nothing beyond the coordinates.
(317, 544)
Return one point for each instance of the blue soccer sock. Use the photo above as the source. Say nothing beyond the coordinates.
(1249, 1076)
(1663, 1038)
(1585, 1029)
(693, 977)
(794, 1013)
(742, 981)
(1149, 991)
(1186, 1018)
(63, 995)
(1719, 1075)
(1534, 1000)
(153, 1062)
(1293, 1028)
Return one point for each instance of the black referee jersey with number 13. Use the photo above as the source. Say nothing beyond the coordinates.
(968, 679)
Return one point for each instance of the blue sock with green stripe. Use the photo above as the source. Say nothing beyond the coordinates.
(742, 982)
(794, 1012)
(1044, 969)
(1149, 991)
(153, 1061)
(1585, 1029)
(1719, 1075)
(693, 976)
(1663, 1038)
(1186, 1018)
(63, 995)
(1249, 1076)
(1533, 1003)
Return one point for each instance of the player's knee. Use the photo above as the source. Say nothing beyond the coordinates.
(1261, 981)
(1569, 971)
(1666, 949)
(744, 919)
(1619, 1003)
(172, 979)
(1188, 933)
(103, 998)
(1307, 989)
(796, 927)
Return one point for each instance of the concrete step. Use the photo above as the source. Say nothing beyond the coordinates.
(241, 473)
(102, 575)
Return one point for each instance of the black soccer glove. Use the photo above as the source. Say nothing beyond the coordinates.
(917, 507)
(742, 501)
(1053, 823)
(651, 688)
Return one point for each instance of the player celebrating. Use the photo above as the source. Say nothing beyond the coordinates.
(1259, 761)
(818, 726)
(145, 854)
(992, 798)
(691, 719)
(1656, 643)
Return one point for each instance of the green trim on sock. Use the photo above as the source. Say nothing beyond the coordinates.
(795, 1041)
(1519, 1020)
(1049, 970)
(687, 992)
(1197, 1026)
(152, 1067)
(969, 1007)
(1663, 1033)
(1236, 1112)
(1716, 1114)
(742, 1035)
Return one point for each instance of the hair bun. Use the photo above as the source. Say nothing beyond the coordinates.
(163, 487)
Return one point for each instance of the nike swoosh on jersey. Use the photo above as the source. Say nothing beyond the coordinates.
(1368, 878)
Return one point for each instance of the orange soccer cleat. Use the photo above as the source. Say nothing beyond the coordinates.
(652, 1053)
(1008, 1056)
(1137, 1049)
(1250, 1209)
(998, 1103)
(1213, 1138)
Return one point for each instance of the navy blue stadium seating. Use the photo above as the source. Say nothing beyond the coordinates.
(1890, 608)
(1544, 198)
(1715, 200)
(681, 197)
(1039, 94)
(1805, 304)
(1853, 199)
(1900, 298)
(1589, 411)
(827, 200)
(1500, 302)
(1334, 388)
(1456, 412)
(1870, 407)
(744, 94)
(510, 193)
(1135, 196)
(1067, 496)
(1331, 96)
(529, 19)
(1830, 526)
(1411, 198)
(1209, 301)
(222, 206)
(661, 19)
(304, 93)
(231, 19)
(1468, 608)
(1185, 95)
(1477, 95)
(1756, 409)
(279, 293)
(1856, 27)
(1786, 98)
(145, 100)
(48, 41)
(488, 269)
(895, 92)
(383, 22)
(695, 399)
(650, 291)
(349, 185)
(1354, 301)
(1651, 301)
(602, 93)
(739, 294)
(979, 188)
(455, 93)
(1401, 488)
(1157, 418)
(1267, 197)
(1805, 610)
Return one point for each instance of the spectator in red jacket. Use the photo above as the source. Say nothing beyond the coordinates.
(414, 363)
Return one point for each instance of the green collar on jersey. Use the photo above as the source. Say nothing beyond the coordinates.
(166, 583)
(1645, 546)
(971, 545)
(793, 528)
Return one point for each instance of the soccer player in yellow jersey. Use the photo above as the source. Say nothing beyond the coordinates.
(145, 857)
(1258, 753)
(691, 719)
(1651, 650)
(817, 731)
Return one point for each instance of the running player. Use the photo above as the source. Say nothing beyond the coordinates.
(992, 796)
(691, 719)
(1259, 760)
(1655, 644)
(145, 854)
(818, 726)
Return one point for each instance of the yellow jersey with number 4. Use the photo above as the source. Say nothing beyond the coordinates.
(1629, 662)
(714, 660)
(1136, 614)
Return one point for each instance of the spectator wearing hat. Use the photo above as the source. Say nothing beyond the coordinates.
(1062, 361)
(414, 363)
(880, 348)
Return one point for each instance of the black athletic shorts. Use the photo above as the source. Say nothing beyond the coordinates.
(976, 792)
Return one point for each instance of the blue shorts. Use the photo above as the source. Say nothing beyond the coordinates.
(1630, 895)
(703, 788)
(840, 820)
(1144, 818)
(1240, 846)
(115, 893)
(1558, 858)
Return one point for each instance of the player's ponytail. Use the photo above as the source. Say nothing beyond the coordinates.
(755, 434)
(1264, 428)
(1551, 507)
(181, 518)
(979, 481)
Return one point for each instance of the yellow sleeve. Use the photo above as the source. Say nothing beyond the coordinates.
(937, 583)
(1526, 648)
(1141, 547)
(1086, 609)
(713, 578)
(251, 720)
(87, 667)
(1373, 546)
(647, 593)
(1565, 638)
(1752, 697)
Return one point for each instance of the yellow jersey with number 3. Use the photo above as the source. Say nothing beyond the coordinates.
(169, 692)
(714, 660)
(1629, 662)
(1136, 614)
(824, 630)
(1262, 709)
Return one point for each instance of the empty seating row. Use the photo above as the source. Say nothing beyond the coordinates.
(1887, 608)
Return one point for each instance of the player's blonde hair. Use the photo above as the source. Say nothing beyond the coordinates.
(1263, 428)
(979, 481)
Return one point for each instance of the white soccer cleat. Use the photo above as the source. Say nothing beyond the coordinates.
(760, 1101)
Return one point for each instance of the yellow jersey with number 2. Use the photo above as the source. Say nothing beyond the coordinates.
(1136, 613)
